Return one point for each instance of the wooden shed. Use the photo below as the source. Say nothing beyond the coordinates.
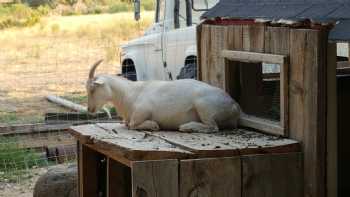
(279, 61)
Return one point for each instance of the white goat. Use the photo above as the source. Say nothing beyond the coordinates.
(186, 105)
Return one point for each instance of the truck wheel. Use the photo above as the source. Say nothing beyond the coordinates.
(189, 71)
(129, 70)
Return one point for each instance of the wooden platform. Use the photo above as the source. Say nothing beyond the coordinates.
(125, 146)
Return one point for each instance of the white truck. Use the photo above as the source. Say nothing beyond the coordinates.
(167, 50)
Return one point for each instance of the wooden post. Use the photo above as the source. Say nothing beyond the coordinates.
(332, 130)
(307, 104)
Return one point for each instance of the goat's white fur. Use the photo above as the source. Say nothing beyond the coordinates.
(186, 105)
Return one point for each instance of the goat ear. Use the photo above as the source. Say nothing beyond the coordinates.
(98, 82)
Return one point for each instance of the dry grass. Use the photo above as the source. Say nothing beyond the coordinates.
(54, 56)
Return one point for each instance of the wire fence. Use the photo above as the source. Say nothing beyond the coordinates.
(33, 131)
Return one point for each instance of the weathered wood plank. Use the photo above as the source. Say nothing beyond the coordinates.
(217, 64)
(272, 175)
(204, 53)
(249, 57)
(264, 125)
(332, 134)
(123, 143)
(155, 178)
(253, 38)
(307, 104)
(277, 40)
(234, 42)
(217, 177)
(229, 143)
(119, 179)
(42, 140)
(199, 51)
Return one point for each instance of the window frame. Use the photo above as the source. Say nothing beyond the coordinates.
(262, 124)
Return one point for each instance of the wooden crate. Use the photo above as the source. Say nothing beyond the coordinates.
(115, 161)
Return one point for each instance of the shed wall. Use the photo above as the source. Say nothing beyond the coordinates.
(307, 50)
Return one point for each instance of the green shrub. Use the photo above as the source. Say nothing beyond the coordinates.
(20, 15)
(94, 10)
(38, 3)
(67, 2)
(120, 7)
(147, 4)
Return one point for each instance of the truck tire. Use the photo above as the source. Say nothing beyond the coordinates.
(189, 71)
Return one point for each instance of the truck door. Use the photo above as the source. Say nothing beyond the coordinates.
(177, 38)
(154, 49)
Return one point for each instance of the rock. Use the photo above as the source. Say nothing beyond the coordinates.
(59, 181)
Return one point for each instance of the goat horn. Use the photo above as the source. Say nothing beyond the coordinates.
(93, 68)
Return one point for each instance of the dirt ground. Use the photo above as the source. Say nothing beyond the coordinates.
(24, 188)
(54, 58)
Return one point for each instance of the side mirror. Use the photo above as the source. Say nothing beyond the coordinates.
(203, 5)
(137, 10)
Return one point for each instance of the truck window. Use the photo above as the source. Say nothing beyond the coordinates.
(182, 13)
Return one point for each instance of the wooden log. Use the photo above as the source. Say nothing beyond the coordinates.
(39, 141)
(219, 177)
(272, 175)
(251, 57)
(32, 128)
(155, 178)
(78, 116)
(66, 103)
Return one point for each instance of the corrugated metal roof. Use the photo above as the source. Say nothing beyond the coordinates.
(317, 10)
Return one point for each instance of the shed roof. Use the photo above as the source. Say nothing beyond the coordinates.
(317, 10)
